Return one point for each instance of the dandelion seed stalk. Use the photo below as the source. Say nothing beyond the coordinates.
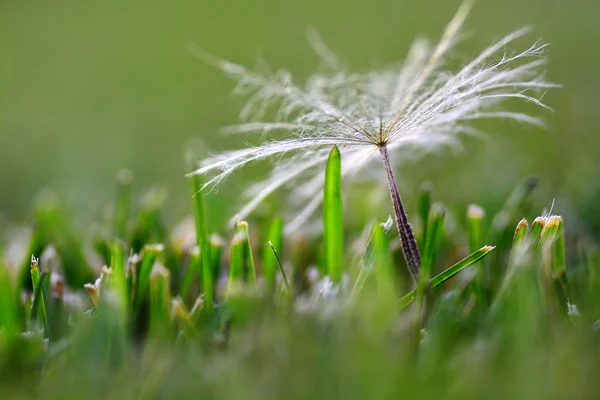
(409, 243)
(402, 111)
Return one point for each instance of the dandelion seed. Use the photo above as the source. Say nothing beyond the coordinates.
(400, 112)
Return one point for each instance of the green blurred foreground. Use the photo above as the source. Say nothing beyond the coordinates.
(179, 313)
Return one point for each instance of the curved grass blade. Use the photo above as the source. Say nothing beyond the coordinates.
(448, 273)
(280, 266)
(332, 216)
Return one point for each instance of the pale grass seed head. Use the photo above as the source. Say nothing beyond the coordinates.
(412, 108)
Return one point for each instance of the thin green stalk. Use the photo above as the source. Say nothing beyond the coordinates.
(424, 201)
(250, 270)
(447, 274)
(202, 240)
(280, 266)
(193, 270)
(160, 300)
(560, 265)
(275, 238)
(475, 218)
(435, 231)
(38, 307)
(149, 256)
(216, 251)
(8, 304)
(383, 262)
(521, 243)
(236, 264)
(332, 216)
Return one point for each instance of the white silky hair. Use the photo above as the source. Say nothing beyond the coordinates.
(412, 108)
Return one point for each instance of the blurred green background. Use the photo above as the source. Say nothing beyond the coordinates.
(87, 88)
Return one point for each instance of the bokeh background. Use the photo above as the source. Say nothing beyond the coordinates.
(88, 88)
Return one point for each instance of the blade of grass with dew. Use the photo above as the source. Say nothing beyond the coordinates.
(448, 273)
(250, 268)
(123, 203)
(332, 216)
(275, 238)
(202, 240)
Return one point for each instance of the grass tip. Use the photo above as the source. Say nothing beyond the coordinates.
(475, 212)
(125, 177)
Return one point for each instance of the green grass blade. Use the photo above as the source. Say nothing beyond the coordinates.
(559, 264)
(424, 202)
(8, 303)
(216, 251)
(280, 266)
(275, 240)
(202, 240)
(193, 271)
(435, 231)
(160, 300)
(535, 233)
(448, 273)
(250, 270)
(236, 264)
(475, 218)
(332, 216)
(383, 262)
(38, 307)
(149, 256)
(521, 232)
